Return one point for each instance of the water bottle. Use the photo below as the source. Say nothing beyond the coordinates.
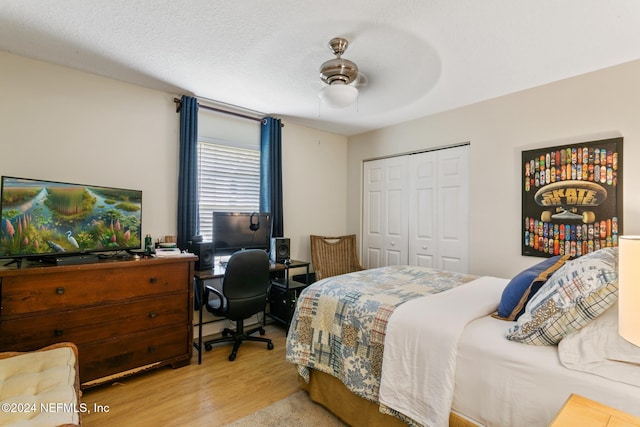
(148, 243)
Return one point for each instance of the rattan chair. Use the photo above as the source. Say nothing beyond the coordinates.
(332, 256)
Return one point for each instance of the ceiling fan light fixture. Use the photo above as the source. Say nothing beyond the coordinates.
(337, 73)
(338, 69)
(338, 95)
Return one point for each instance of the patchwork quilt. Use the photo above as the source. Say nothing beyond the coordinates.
(340, 322)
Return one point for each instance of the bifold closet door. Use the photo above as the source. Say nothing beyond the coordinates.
(416, 210)
(439, 209)
(453, 209)
(385, 220)
(372, 213)
(423, 209)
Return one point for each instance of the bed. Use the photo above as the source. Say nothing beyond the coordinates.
(409, 345)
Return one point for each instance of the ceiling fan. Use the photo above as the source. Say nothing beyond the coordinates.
(341, 77)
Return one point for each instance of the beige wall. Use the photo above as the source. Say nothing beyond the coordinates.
(595, 106)
(60, 124)
(64, 125)
(314, 177)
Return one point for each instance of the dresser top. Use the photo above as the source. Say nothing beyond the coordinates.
(29, 268)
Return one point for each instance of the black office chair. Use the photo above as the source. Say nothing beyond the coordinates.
(244, 293)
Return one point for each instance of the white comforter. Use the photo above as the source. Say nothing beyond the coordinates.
(417, 381)
(527, 383)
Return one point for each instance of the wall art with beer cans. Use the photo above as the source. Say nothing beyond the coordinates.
(572, 198)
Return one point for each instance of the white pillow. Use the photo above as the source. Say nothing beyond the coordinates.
(598, 349)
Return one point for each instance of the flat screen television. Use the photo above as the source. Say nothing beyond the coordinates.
(234, 231)
(45, 218)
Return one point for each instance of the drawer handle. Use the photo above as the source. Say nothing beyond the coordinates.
(58, 332)
(152, 314)
(152, 349)
(153, 280)
(60, 290)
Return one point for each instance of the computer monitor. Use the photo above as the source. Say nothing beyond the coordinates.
(234, 231)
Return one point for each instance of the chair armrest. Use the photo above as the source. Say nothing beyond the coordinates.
(208, 289)
(269, 289)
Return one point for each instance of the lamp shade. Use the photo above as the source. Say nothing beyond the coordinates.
(629, 288)
(338, 95)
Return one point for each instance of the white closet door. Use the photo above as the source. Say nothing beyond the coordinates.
(423, 210)
(453, 209)
(416, 210)
(385, 222)
(396, 223)
(373, 214)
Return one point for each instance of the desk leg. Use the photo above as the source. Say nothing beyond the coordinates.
(200, 335)
(198, 346)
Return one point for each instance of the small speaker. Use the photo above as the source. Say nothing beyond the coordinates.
(205, 252)
(280, 249)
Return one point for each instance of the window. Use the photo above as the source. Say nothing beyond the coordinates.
(228, 179)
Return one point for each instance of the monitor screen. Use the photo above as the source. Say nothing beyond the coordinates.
(40, 218)
(234, 231)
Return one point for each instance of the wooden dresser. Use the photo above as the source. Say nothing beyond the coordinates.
(124, 316)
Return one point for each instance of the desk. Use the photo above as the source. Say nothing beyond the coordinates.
(284, 294)
(200, 276)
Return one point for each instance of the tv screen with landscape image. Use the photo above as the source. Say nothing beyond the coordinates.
(40, 218)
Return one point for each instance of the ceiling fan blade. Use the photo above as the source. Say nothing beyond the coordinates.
(361, 81)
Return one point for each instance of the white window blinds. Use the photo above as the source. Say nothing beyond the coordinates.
(229, 180)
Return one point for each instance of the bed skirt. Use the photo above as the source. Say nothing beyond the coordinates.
(329, 392)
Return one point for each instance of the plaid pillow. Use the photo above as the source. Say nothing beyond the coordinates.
(577, 293)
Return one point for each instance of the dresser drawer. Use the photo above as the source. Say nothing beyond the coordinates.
(115, 355)
(63, 290)
(93, 324)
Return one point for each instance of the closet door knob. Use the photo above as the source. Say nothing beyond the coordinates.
(60, 290)
(152, 314)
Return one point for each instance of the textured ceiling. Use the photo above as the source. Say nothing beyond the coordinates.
(419, 56)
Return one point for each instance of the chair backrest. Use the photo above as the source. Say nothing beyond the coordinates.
(332, 256)
(245, 283)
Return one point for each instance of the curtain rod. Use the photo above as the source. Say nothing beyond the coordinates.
(232, 113)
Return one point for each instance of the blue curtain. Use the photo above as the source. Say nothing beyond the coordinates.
(188, 172)
(271, 173)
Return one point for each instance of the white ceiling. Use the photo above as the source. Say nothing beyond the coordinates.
(420, 56)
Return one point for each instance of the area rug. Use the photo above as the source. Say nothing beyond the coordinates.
(296, 410)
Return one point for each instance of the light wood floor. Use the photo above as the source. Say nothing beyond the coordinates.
(213, 393)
